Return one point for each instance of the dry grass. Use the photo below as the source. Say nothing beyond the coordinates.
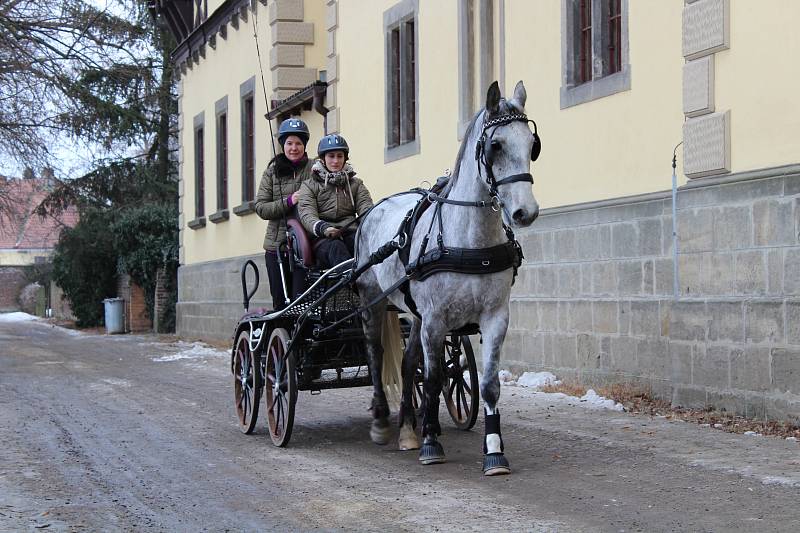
(639, 399)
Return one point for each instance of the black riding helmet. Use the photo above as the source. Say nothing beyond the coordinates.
(293, 126)
(332, 143)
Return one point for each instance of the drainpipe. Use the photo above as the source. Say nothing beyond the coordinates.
(675, 283)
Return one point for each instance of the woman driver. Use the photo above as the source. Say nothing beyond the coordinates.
(330, 201)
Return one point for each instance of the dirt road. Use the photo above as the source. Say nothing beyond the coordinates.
(126, 433)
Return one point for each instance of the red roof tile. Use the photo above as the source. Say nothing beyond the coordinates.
(23, 229)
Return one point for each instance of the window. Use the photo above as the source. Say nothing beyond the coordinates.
(476, 56)
(584, 73)
(402, 138)
(614, 45)
(594, 48)
(249, 150)
(199, 168)
(222, 161)
(248, 122)
(221, 119)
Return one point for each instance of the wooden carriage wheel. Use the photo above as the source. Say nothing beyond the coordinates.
(247, 384)
(460, 388)
(281, 387)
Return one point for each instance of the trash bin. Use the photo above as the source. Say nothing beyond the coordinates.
(115, 312)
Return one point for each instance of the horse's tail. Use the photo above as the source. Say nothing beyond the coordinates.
(392, 375)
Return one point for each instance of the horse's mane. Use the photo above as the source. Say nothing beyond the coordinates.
(503, 108)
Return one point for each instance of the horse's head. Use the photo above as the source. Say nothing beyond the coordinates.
(505, 150)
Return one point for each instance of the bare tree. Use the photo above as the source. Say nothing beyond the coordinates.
(48, 51)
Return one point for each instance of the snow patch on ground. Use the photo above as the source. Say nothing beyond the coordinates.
(192, 350)
(595, 400)
(537, 380)
(17, 317)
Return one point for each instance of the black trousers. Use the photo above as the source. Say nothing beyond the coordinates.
(295, 280)
(331, 252)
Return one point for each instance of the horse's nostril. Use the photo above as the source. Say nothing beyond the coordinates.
(520, 214)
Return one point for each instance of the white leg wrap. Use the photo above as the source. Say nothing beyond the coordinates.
(493, 443)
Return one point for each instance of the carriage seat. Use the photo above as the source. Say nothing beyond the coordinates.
(300, 244)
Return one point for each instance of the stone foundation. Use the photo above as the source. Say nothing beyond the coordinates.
(210, 297)
(594, 299)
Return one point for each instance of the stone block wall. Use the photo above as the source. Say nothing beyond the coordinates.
(210, 297)
(594, 300)
(59, 304)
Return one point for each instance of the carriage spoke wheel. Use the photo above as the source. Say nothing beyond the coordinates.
(460, 387)
(281, 387)
(417, 389)
(247, 383)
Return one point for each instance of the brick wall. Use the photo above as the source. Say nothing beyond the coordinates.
(594, 300)
(136, 317)
(12, 280)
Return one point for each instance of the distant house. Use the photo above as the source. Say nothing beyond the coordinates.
(26, 239)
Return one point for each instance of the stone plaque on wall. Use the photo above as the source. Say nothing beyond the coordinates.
(707, 145)
(698, 87)
(706, 27)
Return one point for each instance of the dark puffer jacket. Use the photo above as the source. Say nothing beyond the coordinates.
(331, 199)
(279, 181)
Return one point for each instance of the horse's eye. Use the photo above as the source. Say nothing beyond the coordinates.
(495, 145)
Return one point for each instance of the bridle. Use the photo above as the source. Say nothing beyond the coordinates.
(485, 157)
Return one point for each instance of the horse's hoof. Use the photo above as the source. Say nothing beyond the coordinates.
(379, 432)
(432, 454)
(408, 439)
(495, 464)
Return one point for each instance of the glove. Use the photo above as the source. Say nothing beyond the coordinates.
(333, 233)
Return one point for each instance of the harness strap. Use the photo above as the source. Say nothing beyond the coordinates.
(466, 261)
(444, 200)
(516, 177)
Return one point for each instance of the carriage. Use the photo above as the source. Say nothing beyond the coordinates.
(333, 335)
(317, 343)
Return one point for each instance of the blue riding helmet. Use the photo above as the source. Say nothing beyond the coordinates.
(293, 126)
(332, 143)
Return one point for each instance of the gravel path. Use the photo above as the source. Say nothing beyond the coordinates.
(127, 433)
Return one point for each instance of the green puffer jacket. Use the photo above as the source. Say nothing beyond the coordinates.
(278, 183)
(331, 199)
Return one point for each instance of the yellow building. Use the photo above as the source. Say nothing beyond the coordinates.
(614, 87)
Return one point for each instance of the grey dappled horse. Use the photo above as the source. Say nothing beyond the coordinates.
(447, 300)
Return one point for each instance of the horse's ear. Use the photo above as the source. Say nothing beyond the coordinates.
(520, 95)
(493, 98)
